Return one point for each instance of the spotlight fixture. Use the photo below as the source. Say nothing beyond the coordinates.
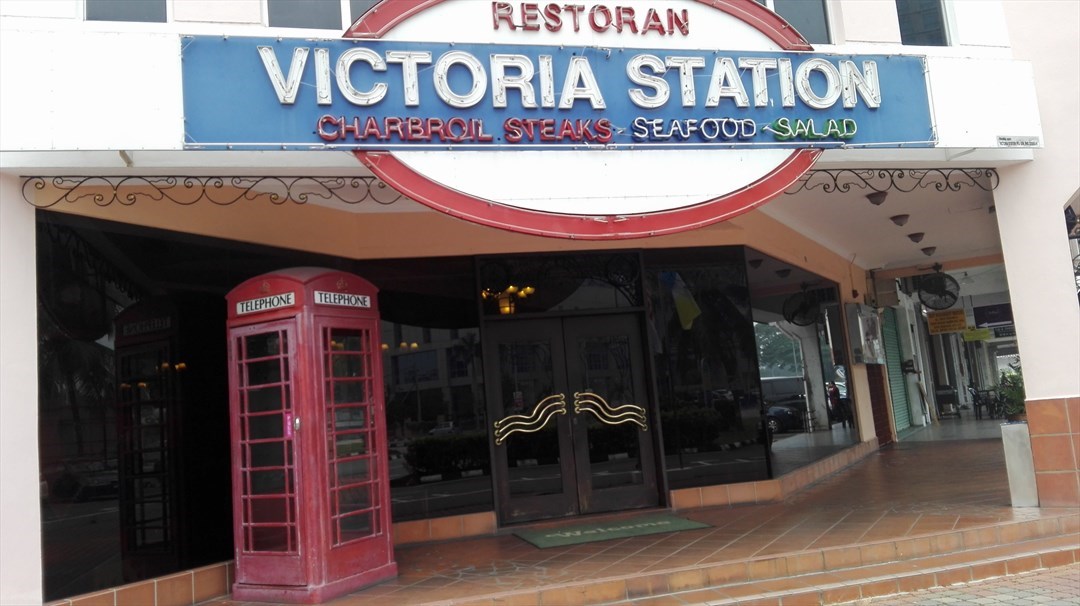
(916, 237)
(783, 273)
(929, 250)
(877, 198)
(900, 220)
(755, 263)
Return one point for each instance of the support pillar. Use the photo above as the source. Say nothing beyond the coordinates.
(20, 501)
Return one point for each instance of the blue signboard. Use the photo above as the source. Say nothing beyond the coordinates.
(269, 93)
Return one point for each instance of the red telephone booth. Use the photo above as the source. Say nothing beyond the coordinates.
(311, 497)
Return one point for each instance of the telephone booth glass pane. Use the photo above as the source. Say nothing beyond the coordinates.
(269, 515)
(348, 389)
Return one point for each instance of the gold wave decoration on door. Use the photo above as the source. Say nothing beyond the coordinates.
(532, 422)
(608, 414)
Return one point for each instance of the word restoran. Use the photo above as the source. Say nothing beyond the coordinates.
(599, 17)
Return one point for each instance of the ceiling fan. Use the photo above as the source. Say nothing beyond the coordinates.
(938, 290)
(802, 308)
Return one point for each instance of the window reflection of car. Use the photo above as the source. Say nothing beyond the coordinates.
(785, 403)
(86, 480)
(785, 417)
(442, 429)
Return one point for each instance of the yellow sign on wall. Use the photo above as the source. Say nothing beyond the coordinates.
(978, 334)
(941, 322)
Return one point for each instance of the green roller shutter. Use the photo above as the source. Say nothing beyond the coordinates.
(897, 384)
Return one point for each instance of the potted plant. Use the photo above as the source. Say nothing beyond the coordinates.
(1019, 464)
(1011, 392)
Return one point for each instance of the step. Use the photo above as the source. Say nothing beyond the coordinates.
(861, 582)
(794, 571)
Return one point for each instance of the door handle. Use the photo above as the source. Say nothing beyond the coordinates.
(535, 421)
(292, 424)
(608, 414)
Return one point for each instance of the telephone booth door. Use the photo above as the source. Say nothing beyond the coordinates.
(311, 492)
(266, 474)
(357, 478)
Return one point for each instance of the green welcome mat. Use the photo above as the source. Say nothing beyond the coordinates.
(605, 531)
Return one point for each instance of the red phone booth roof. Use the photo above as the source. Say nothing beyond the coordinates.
(288, 291)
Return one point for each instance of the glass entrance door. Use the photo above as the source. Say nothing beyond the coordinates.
(570, 419)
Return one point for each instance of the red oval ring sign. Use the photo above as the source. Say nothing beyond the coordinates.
(509, 190)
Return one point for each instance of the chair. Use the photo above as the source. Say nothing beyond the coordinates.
(983, 399)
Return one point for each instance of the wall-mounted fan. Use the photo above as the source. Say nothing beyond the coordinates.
(802, 308)
(938, 290)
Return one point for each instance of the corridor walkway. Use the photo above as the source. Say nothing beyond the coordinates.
(930, 496)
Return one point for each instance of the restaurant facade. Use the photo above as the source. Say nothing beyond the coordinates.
(585, 228)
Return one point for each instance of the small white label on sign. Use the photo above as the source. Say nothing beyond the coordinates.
(265, 303)
(1004, 141)
(342, 299)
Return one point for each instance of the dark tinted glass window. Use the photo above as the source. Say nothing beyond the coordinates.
(135, 445)
(317, 14)
(704, 353)
(358, 7)
(148, 11)
(921, 22)
(807, 17)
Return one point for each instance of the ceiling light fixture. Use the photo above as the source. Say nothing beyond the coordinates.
(755, 263)
(916, 237)
(929, 250)
(783, 273)
(876, 198)
(506, 299)
(900, 220)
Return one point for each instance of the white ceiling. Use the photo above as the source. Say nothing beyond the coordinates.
(957, 224)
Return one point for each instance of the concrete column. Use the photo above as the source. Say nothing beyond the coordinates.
(1030, 203)
(1047, 327)
(20, 501)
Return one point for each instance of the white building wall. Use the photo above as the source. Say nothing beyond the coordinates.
(216, 11)
(1031, 199)
(977, 23)
(20, 506)
(866, 21)
(90, 91)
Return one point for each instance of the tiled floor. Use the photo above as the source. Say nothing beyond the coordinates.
(905, 490)
(1051, 587)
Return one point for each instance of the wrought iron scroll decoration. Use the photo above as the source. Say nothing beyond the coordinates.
(222, 191)
(608, 414)
(535, 421)
(901, 179)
